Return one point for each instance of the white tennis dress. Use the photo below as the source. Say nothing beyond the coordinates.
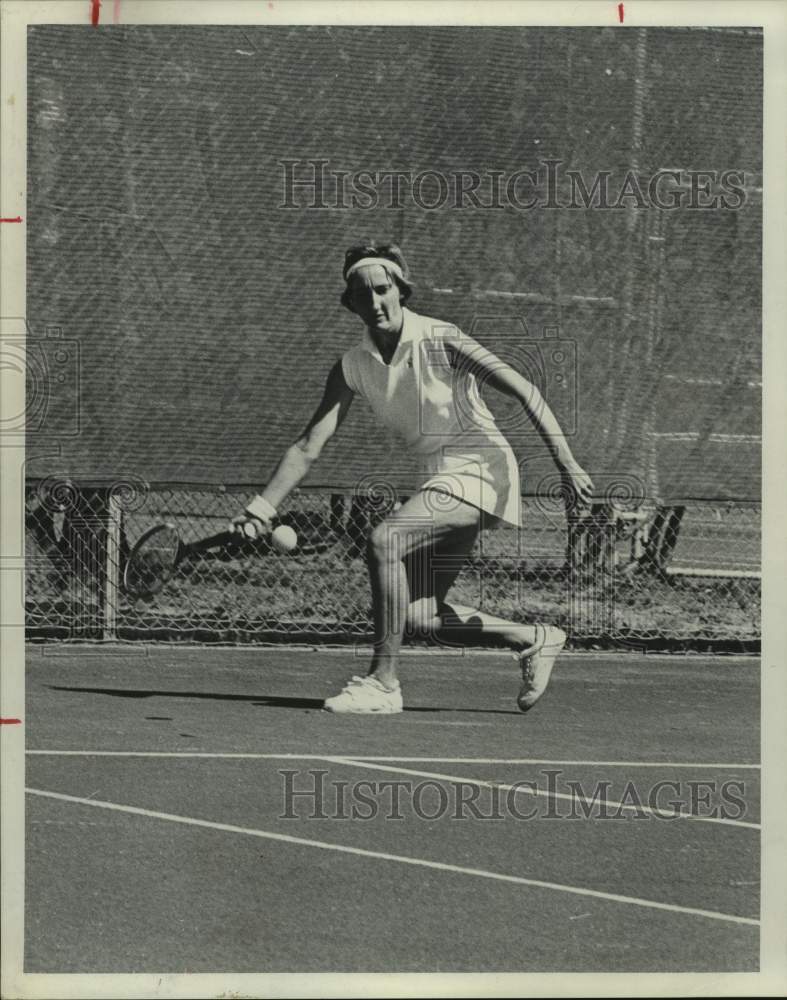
(439, 415)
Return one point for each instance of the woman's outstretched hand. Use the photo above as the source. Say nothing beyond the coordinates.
(255, 521)
(577, 485)
(246, 526)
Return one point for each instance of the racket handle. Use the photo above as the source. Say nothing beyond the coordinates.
(211, 542)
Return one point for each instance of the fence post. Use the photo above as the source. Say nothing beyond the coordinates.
(111, 574)
(82, 531)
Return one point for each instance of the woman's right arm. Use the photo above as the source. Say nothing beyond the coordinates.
(299, 457)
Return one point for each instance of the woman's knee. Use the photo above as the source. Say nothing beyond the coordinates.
(381, 543)
(390, 542)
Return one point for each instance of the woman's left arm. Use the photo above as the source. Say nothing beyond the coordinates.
(468, 356)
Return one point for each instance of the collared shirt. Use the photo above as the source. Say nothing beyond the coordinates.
(419, 395)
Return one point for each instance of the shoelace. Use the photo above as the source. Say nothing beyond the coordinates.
(527, 656)
(351, 688)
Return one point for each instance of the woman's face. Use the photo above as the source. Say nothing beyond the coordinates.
(376, 298)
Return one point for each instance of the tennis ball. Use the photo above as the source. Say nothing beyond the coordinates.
(283, 538)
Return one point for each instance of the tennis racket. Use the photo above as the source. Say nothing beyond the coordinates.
(155, 557)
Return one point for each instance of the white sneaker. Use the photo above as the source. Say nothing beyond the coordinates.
(365, 696)
(537, 662)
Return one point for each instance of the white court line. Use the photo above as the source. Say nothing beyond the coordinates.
(715, 438)
(751, 384)
(544, 793)
(376, 763)
(353, 649)
(697, 765)
(399, 858)
(441, 722)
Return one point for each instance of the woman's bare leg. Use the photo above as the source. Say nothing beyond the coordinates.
(410, 533)
(431, 575)
(414, 557)
(390, 600)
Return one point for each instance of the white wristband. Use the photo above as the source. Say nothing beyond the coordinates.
(261, 508)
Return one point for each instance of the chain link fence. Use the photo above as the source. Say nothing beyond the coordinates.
(652, 284)
(614, 575)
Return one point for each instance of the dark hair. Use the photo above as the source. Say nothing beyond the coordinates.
(388, 251)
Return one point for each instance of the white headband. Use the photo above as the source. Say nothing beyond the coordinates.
(389, 265)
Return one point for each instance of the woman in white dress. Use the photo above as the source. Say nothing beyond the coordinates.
(419, 375)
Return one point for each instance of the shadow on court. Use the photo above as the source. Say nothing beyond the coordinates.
(267, 701)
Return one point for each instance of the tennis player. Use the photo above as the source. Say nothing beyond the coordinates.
(420, 376)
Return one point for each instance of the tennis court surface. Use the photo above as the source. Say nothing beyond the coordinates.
(164, 836)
